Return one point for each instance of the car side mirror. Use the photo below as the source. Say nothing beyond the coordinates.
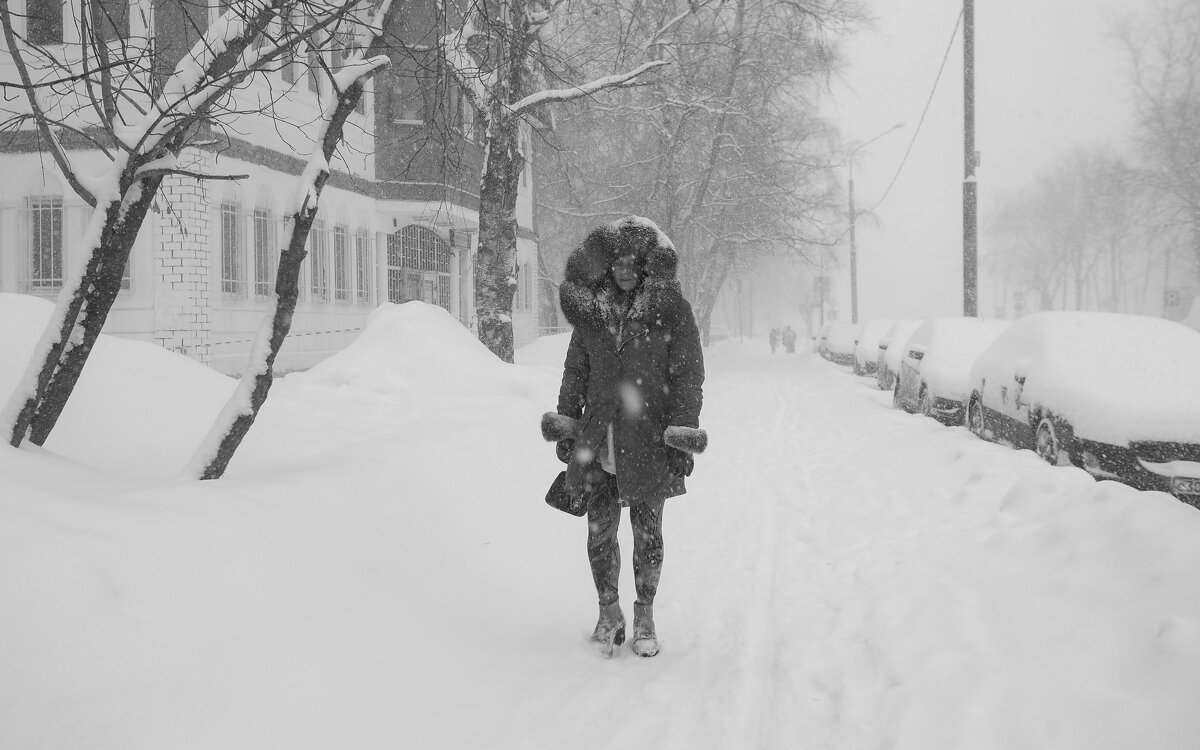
(1020, 370)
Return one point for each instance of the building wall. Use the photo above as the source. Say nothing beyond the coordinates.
(179, 291)
(180, 258)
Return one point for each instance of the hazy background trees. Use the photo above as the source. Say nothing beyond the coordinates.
(1103, 230)
(723, 148)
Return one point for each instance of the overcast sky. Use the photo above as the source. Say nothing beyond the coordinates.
(1047, 77)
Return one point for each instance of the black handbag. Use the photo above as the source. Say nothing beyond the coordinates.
(558, 497)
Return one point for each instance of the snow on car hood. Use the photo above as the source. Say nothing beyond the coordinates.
(951, 351)
(867, 348)
(840, 338)
(897, 338)
(1114, 377)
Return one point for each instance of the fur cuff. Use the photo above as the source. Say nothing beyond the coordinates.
(686, 439)
(557, 426)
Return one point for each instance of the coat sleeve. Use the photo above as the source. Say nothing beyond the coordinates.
(572, 394)
(685, 372)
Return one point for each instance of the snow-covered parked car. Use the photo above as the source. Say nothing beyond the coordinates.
(837, 345)
(1116, 395)
(934, 375)
(891, 349)
(866, 350)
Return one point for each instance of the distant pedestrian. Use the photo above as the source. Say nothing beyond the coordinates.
(774, 339)
(789, 339)
(628, 413)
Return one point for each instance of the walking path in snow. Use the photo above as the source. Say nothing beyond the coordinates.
(378, 571)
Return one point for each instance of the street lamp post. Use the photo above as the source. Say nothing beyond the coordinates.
(853, 246)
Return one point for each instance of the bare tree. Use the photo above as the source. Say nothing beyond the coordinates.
(726, 150)
(1163, 46)
(1080, 234)
(343, 89)
(500, 57)
(121, 98)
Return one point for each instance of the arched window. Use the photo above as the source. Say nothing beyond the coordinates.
(418, 266)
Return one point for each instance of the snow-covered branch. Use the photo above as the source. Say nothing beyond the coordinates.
(587, 89)
(666, 27)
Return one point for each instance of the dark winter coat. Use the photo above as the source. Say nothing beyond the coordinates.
(645, 377)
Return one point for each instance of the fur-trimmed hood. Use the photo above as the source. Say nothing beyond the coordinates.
(588, 292)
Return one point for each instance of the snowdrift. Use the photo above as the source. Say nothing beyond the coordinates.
(378, 570)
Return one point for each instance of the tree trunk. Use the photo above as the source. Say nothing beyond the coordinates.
(86, 312)
(260, 372)
(495, 282)
(241, 411)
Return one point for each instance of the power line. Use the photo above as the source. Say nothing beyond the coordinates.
(924, 112)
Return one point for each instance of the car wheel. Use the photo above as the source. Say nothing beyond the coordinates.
(925, 403)
(1048, 445)
(975, 421)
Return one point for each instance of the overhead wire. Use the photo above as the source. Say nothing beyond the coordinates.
(924, 112)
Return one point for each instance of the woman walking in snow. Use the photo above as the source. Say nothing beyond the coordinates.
(628, 409)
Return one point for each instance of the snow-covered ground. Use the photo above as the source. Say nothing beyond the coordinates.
(378, 570)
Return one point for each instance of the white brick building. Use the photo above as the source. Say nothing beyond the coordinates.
(391, 227)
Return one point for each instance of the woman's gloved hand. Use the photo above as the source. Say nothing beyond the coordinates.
(679, 463)
(563, 449)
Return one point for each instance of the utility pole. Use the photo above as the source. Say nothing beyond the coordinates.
(970, 160)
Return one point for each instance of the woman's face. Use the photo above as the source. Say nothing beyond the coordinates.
(627, 273)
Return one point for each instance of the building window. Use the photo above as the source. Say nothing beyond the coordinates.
(177, 27)
(523, 295)
(320, 262)
(109, 18)
(342, 272)
(45, 244)
(525, 148)
(44, 24)
(265, 253)
(233, 251)
(291, 54)
(523, 298)
(418, 267)
(468, 117)
(364, 256)
(403, 94)
(313, 58)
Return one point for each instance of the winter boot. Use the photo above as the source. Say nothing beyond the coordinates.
(610, 628)
(645, 641)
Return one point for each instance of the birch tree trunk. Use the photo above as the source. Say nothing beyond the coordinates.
(495, 264)
(231, 427)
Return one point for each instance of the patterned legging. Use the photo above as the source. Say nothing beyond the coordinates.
(604, 516)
